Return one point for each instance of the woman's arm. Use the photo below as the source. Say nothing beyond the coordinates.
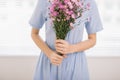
(54, 58)
(64, 47)
(84, 45)
(39, 42)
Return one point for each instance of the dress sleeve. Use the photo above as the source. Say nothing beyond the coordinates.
(94, 24)
(37, 19)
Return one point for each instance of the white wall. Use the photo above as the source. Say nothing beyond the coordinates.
(15, 31)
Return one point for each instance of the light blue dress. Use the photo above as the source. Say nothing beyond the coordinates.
(74, 67)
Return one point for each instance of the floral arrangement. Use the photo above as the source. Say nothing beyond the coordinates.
(64, 13)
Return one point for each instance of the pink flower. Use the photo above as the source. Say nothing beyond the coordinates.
(58, 20)
(61, 6)
(69, 12)
(52, 8)
(54, 13)
(66, 1)
(78, 14)
(65, 6)
(53, 19)
(73, 16)
(75, 1)
(68, 17)
(71, 24)
(66, 10)
(70, 5)
(88, 6)
(81, 4)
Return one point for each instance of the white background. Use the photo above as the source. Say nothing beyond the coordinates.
(15, 36)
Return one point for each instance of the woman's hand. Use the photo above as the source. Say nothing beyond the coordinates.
(55, 58)
(63, 46)
(52, 55)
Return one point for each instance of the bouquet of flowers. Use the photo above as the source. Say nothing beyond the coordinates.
(64, 13)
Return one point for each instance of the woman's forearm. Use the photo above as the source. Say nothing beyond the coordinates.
(41, 44)
(84, 45)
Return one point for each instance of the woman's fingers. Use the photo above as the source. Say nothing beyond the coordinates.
(61, 50)
(56, 61)
(59, 56)
(60, 41)
(60, 45)
(64, 56)
(55, 55)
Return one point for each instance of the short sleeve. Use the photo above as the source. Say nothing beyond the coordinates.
(94, 24)
(37, 19)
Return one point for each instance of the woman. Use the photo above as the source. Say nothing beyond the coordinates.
(72, 65)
